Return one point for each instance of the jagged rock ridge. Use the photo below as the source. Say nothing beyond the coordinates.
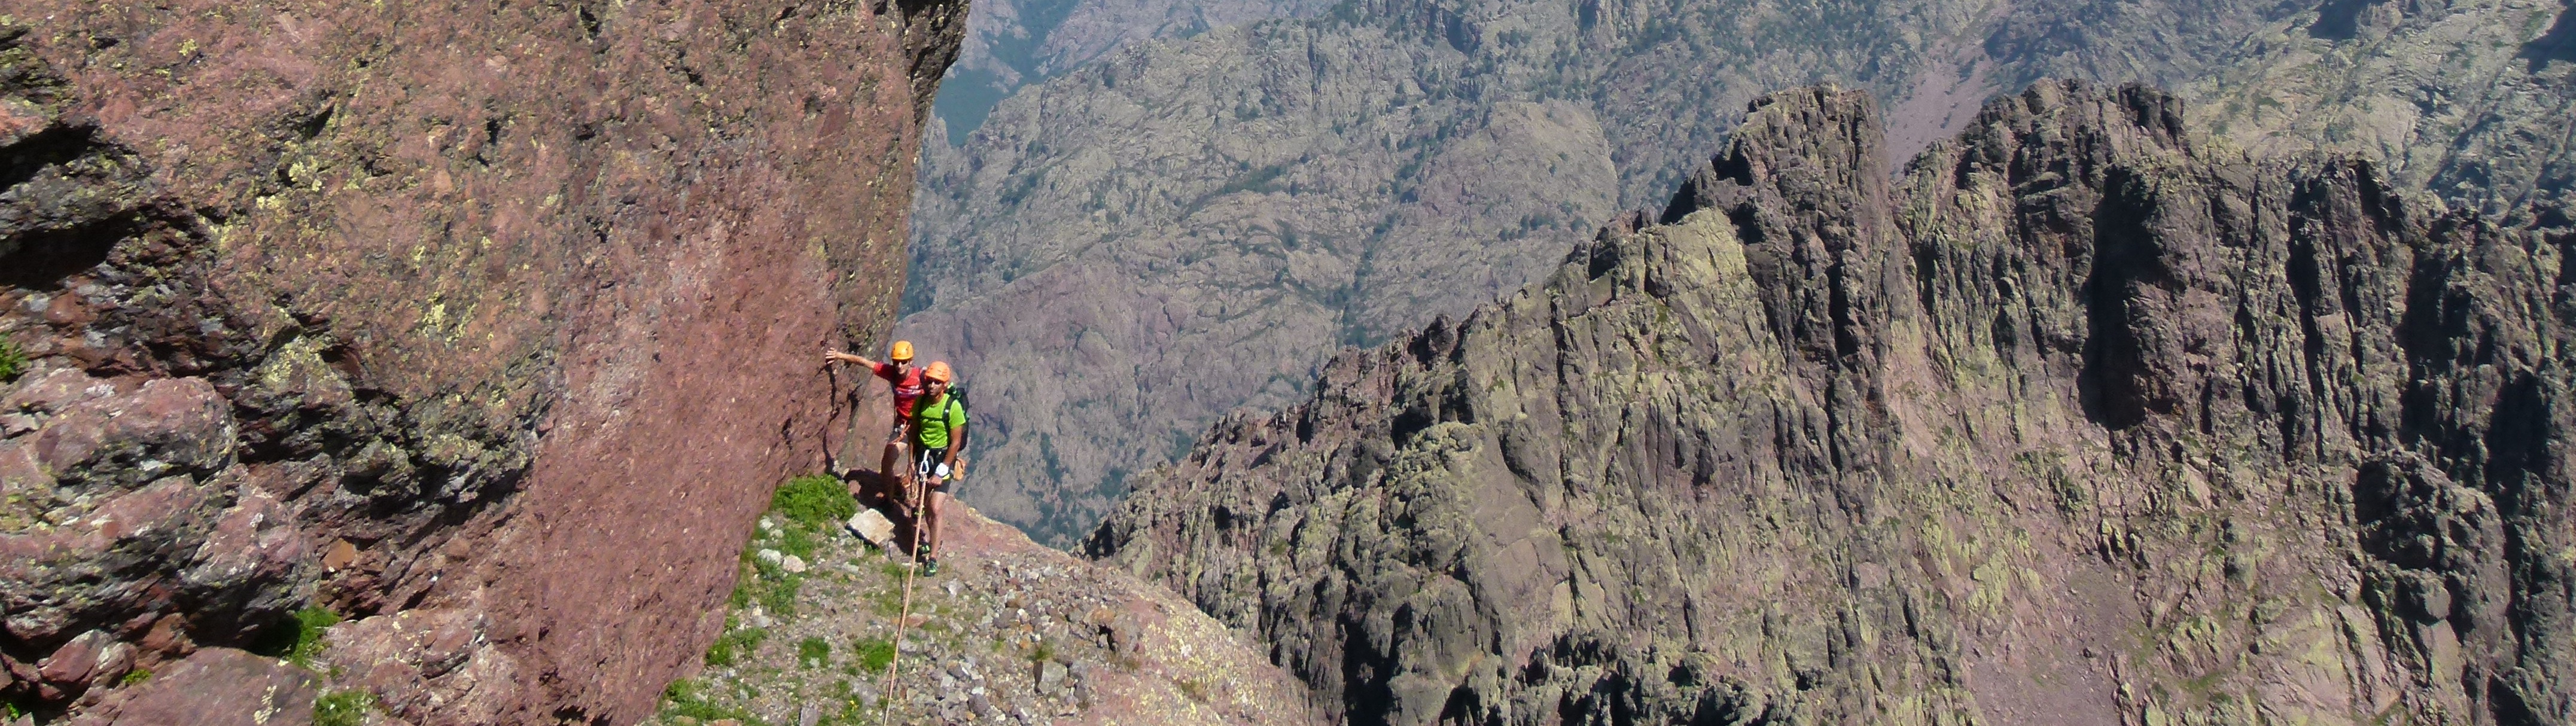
(1267, 194)
(443, 318)
(2083, 419)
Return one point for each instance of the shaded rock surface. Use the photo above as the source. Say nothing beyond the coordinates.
(431, 314)
(1008, 632)
(2084, 419)
(1264, 195)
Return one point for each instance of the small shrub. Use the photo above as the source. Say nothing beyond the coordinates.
(814, 652)
(135, 676)
(12, 361)
(873, 654)
(343, 708)
(817, 502)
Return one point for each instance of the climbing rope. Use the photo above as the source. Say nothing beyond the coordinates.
(914, 494)
(832, 452)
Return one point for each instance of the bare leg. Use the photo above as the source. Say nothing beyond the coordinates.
(930, 548)
(886, 470)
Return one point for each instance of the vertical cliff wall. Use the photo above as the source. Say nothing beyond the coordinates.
(2082, 420)
(489, 325)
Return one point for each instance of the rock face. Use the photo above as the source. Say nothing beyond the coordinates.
(1274, 192)
(2081, 420)
(444, 317)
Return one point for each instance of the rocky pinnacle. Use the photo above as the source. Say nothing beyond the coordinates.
(2082, 419)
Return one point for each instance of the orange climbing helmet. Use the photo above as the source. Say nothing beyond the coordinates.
(940, 372)
(902, 351)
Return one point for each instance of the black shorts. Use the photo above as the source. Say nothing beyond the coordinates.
(926, 460)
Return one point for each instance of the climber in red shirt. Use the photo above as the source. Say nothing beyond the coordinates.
(905, 379)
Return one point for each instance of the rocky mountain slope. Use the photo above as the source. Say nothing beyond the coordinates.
(1011, 44)
(1127, 252)
(2086, 418)
(2465, 99)
(1008, 632)
(430, 316)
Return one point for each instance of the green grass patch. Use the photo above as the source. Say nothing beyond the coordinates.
(135, 676)
(12, 361)
(818, 502)
(685, 697)
(778, 589)
(814, 652)
(343, 708)
(735, 645)
(873, 654)
(309, 624)
(797, 541)
(767, 585)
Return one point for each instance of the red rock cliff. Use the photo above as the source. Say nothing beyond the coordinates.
(490, 325)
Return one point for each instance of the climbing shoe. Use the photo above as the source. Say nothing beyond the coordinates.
(929, 567)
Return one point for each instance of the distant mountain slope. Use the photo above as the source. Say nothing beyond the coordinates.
(2084, 420)
(2470, 100)
(1010, 44)
(1125, 253)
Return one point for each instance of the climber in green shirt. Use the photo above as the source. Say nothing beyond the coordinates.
(939, 431)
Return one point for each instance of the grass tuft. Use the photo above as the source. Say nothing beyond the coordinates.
(814, 652)
(343, 708)
(683, 699)
(309, 624)
(302, 642)
(12, 361)
(735, 645)
(873, 654)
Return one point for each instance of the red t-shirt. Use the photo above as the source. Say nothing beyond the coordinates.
(907, 387)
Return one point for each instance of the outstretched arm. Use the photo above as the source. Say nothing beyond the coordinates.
(834, 355)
